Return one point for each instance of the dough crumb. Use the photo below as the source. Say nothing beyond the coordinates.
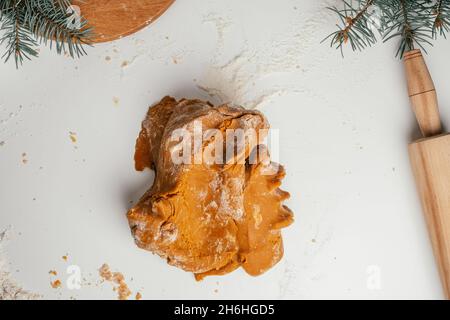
(73, 136)
(24, 158)
(56, 284)
(117, 278)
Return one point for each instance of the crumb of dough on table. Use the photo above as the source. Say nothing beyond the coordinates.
(24, 158)
(73, 136)
(117, 279)
(56, 284)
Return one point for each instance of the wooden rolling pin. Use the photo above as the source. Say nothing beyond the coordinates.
(430, 159)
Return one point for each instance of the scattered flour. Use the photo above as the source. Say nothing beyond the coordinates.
(11, 115)
(222, 24)
(161, 48)
(296, 50)
(9, 289)
(7, 117)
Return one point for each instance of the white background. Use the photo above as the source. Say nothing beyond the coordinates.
(344, 126)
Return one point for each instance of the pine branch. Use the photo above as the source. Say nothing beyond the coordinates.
(441, 20)
(50, 25)
(26, 23)
(414, 22)
(19, 40)
(354, 26)
(408, 20)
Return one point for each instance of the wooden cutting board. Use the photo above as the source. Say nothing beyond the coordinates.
(114, 19)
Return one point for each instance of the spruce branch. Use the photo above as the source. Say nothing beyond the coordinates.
(28, 23)
(441, 19)
(408, 20)
(354, 26)
(413, 22)
(19, 41)
(50, 25)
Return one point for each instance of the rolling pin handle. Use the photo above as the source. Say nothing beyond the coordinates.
(422, 94)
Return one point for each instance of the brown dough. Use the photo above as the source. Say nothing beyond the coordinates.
(209, 219)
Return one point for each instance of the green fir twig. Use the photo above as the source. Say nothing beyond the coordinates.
(415, 23)
(354, 26)
(441, 18)
(409, 20)
(27, 23)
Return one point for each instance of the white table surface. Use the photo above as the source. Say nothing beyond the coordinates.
(344, 125)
